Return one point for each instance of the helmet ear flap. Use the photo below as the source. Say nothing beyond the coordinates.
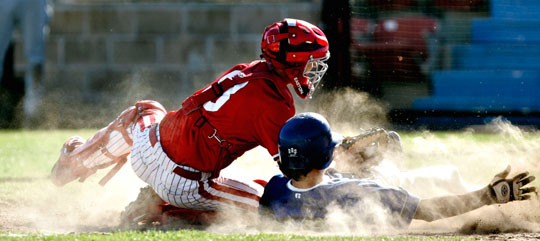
(295, 171)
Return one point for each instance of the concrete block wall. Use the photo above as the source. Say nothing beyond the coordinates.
(102, 57)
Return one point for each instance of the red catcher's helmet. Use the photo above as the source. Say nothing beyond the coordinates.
(300, 49)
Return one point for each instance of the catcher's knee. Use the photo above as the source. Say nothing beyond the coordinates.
(119, 137)
(149, 107)
(148, 112)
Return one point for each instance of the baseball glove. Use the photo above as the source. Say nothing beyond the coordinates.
(358, 154)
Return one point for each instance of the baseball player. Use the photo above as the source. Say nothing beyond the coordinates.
(306, 149)
(180, 153)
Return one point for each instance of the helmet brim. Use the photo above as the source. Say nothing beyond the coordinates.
(336, 138)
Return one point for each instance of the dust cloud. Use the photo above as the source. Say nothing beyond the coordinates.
(44, 208)
(346, 110)
(78, 107)
(431, 165)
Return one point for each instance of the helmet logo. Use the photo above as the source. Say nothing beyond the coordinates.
(298, 85)
(293, 152)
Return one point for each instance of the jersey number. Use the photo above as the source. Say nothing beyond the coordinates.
(214, 106)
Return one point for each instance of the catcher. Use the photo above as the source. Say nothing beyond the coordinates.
(181, 153)
(306, 147)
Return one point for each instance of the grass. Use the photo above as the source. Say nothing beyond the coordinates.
(26, 158)
(31, 154)
(202, 235)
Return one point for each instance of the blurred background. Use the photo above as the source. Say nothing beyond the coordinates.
(435, 64)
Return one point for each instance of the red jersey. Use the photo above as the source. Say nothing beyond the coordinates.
(246, 115)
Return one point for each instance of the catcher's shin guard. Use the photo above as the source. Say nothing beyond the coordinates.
(111, 145)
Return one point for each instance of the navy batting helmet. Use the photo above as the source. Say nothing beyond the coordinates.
(305, 143)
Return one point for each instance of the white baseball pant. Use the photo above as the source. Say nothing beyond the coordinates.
(194, 189)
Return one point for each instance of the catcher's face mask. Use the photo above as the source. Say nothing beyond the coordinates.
(306, 78)
(314, 71)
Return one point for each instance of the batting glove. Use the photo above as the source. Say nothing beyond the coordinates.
(505, 190)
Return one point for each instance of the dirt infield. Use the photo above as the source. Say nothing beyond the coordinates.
(65, 213)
